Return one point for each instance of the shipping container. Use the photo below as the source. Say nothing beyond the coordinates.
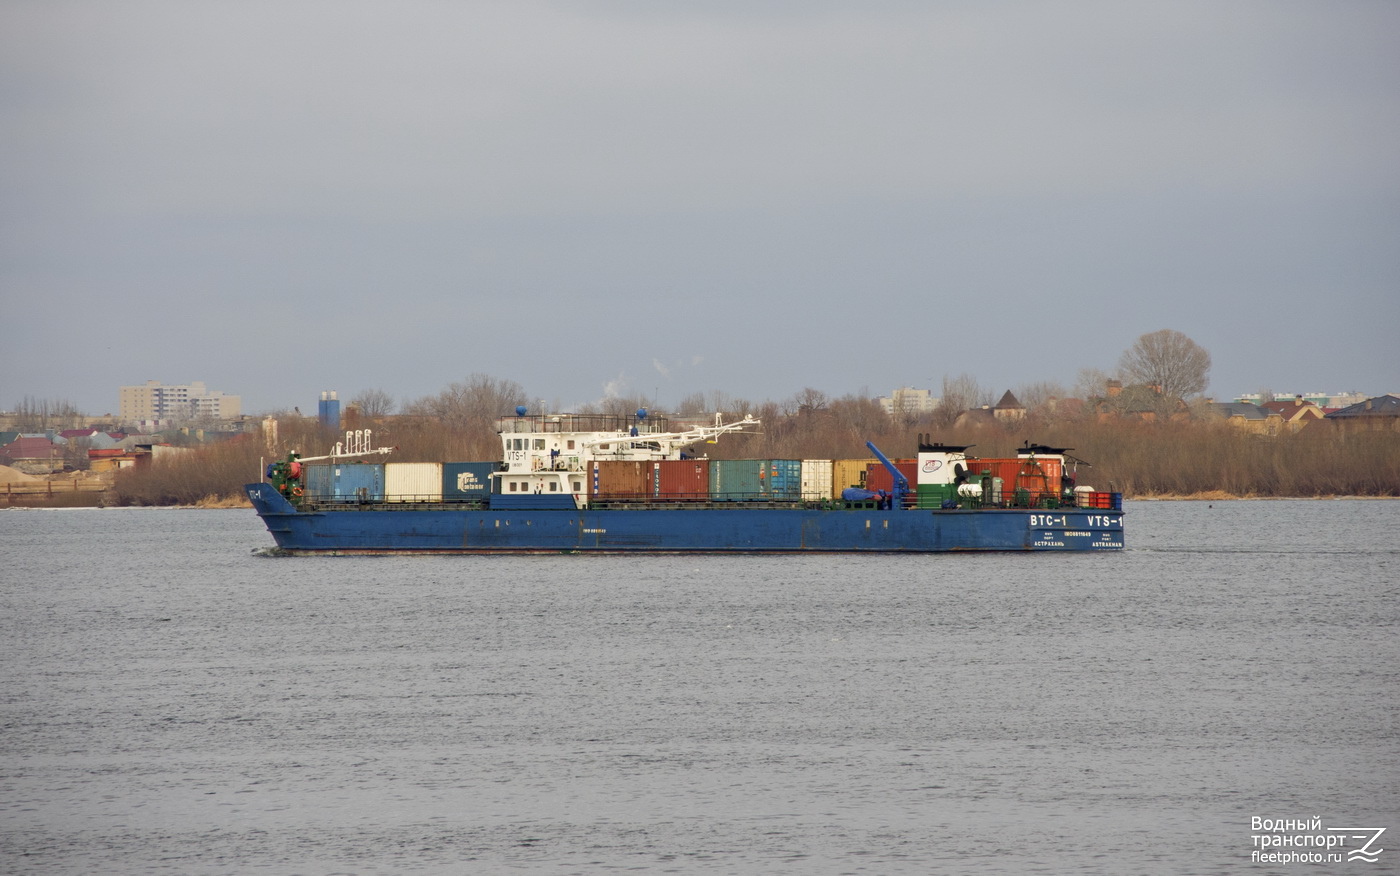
(1006, 469)
(784, 481)
(816, 480)
(848, 473)
(680, 480)
(345, 481)
(413, 482)
(749, 480)
(1027, 480)
(1041, 470)
(466, 481)
(619, 479)
(734, 480)
(878, 477)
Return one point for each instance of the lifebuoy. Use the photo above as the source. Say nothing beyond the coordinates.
(297, 491)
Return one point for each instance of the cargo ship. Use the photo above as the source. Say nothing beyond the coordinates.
(579, 483)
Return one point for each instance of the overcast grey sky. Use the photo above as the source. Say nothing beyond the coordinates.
(662, 198)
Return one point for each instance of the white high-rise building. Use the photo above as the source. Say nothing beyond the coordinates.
(155, 401)
(908, 400)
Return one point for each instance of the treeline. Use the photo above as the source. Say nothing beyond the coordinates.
(214, 473)
(1194, 458)
(41, 414)
(1135, 457)
(1189, 457)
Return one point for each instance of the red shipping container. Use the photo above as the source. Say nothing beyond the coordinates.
(1006, 469)
(680, 480)
(1040, 476)
(1052, 466)
(877, 477)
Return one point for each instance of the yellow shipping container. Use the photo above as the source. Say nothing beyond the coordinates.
(848, 473)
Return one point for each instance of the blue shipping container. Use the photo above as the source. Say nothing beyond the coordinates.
(466, 481)
(784, 479)
(345, 482)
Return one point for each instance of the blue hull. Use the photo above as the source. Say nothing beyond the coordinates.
(446, 530)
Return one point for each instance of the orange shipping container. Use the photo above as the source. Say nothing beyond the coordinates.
(619, 479)
(671, 480)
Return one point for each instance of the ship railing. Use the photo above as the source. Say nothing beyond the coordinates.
(671, 501)
(1021, 498)
(402, 502)
(735, 500)
(559, 423)
(1024, 498)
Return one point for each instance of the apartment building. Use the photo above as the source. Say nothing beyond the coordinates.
(193, 401)
(908, 401)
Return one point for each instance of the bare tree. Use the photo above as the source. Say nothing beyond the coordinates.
(808, 402)
(617, 406)
(373, 403)
(1168, 360)
(476, 401)
(1091, 383)
(75, 454)
(959, 394)
(1036, 395)
(718, 400)
(692, 404)
(37, 415)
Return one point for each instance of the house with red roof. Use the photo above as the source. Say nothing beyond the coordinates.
(1295, 412)
(33, 454)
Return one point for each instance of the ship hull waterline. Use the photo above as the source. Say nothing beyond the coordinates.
(378, 530)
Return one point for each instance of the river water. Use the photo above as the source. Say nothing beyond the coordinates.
(174, 701)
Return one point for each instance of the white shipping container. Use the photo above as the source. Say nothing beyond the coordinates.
(816, 480)
(413, 482)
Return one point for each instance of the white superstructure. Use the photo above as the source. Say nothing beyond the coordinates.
(550, 454)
